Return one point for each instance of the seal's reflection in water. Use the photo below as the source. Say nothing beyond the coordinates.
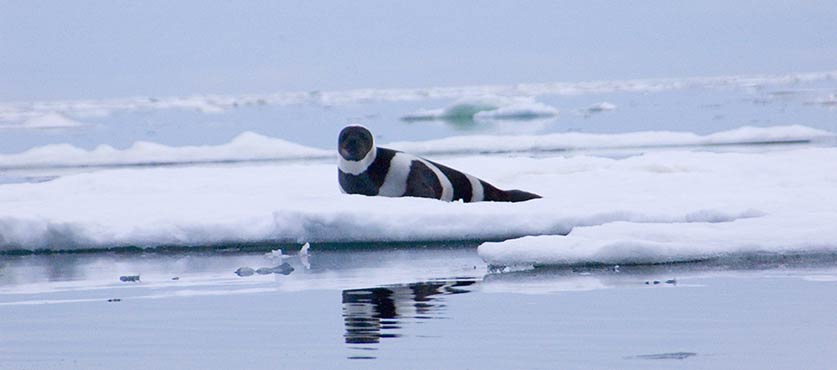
(375, 313)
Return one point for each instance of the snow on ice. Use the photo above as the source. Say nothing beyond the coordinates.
(663, 205)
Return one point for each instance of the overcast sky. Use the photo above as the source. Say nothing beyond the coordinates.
(107, 48)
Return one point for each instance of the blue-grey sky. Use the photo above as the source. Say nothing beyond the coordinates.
(108, 48)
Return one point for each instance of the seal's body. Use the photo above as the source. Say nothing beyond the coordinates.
(370, 170)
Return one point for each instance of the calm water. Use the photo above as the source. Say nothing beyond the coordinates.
(415, 307)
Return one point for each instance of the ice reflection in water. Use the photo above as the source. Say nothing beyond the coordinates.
(374, 313)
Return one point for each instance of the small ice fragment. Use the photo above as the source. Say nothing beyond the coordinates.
(275, 254)
(600, 107)
(128, 278)
(303, 256)
(830, 100)
(665, 356)
(244, 271)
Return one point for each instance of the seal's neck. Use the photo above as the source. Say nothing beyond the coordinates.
(358, 167)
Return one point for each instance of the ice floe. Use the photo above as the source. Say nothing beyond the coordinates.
(791, 193)
(828, 101)
(580, 141)
(16, 112)
(599, 108)
(250, 146)
(247, 146)
(47, 121)
(660, 206)
(487, 108)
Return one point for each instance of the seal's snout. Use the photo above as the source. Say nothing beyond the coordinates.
(354, 143)
(351, 149)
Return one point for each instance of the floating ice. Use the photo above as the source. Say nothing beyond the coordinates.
(828, 101)
(656, 207)
(581, 141)
(250, 146)
(793, 192)
(20, 111)
(665, 356)
(524, 110)
(247, 146)
(47, 121)
(487, 108)
(791, 232)
(275, 254)
(599, 107)
(303, 256)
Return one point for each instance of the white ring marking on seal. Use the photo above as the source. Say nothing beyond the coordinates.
(477, 192)
(357, 167)
(447, 187)
(395, 182)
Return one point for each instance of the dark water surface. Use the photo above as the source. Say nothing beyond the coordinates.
(411, 308)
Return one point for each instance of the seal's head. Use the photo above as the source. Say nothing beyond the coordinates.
(355, 142)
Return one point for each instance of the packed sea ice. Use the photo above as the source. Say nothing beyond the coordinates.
(663, 205)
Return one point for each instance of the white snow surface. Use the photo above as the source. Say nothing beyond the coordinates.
(250, 146)
(791, 195)
(660, 206)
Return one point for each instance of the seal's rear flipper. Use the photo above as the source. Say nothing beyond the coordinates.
(492, 194)
(520, 196)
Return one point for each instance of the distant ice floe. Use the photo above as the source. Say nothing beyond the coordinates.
(16, 112)
(828, 101)
(581, 141)
(250, 146)
(247, 146)
(599, 108)
(47, 121)
(662, 206)
(487, 108)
